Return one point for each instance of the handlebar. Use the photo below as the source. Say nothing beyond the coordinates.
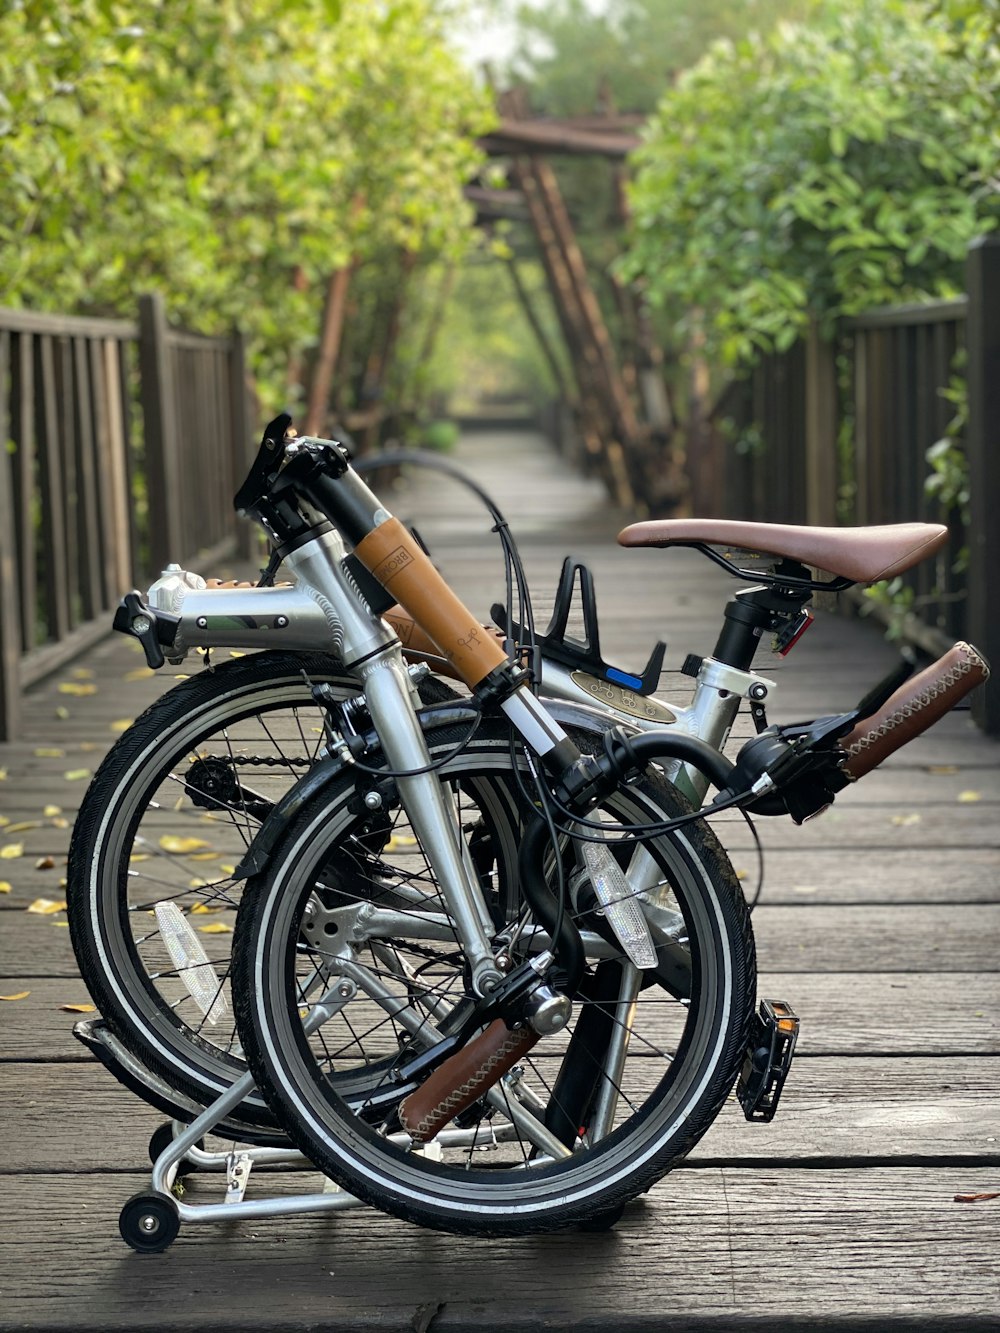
(914, 707)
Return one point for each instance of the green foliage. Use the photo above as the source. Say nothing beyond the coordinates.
(819, 171)
(441, 436)
(212, 148)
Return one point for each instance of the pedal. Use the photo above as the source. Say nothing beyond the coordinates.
(768, 1059)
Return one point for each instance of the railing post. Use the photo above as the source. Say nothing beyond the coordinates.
(159, 433)
(983, 452)
(10, 602)
(821, 429)
(241, 427)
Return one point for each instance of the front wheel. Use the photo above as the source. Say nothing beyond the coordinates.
(594, 1114)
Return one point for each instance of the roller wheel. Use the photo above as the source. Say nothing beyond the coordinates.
(149, 1223)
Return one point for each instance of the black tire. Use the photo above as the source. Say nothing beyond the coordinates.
(687, 1039)
(252, 715)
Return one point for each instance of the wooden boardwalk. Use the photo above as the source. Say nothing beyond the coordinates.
(879, 922)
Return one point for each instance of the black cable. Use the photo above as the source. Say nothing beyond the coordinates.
(752, 902)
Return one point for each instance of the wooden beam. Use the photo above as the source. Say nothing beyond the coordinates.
(536, 136)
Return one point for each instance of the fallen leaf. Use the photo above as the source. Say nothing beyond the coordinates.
(200, 909)
(49, 752)
(3, 775)
(82, 673)
(400, 840)
(24, 825)
(51, 811)
(72, 687)
(941, 770)
(45, 863)
(959, 1198)
(803, 888)
(64, 924)
(4, 821)
(62, 712)
(903, 821)
(21, 995)
(77, 774)
(171, 842)
(46, 906)
(139, 856)
(216, 928)
(78, 1008)
(12, 851)
(228, 870)
(234, 653)
(139, 673)
(122, 724)
(204, 856)
(59, 822)
(4, 886)
(968, 797)
(742, 874)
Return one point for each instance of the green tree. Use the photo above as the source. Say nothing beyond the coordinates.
(819, 171)
(212, 148)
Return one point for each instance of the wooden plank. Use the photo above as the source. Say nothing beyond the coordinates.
(848, 1013)
(160, 433)
(853, 1255)
(844, 1110)
(67, 427)
(22, 427)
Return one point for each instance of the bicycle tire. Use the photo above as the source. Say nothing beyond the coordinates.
(680, 1066)
(255, 708)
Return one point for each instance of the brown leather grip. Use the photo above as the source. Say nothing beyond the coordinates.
(463, 1079)
(917, 704)
(419, 647)
(393, 556)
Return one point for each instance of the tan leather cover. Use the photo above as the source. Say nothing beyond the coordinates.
(463, 1079)
(917, 704)
(863, 555)
(419, 647)
(391, 554)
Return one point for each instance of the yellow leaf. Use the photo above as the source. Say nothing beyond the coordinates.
(49, 752)
(82, 673)
(234, 653)
(87, 745)
(71, 687)
(64, 924)
(78, 1008)
(171, 842)
(121, 724)
(743, 874)
(3, 775)
(940, 770)
(228, 870)
(4, 886)
(400, 840)
(902, 821)
(139, 856)
(199, 909)
(62, 712)
(803, 888)
(51, 811)
(24, 826)
(45, 863)
(968, 797)
(21, 995)
(204, 856)
(59, 822)
(216, 928)
(77, 774)
(12, 851)
(46, 907)
(4, 821)
(139, 673)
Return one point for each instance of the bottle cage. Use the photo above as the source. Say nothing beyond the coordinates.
(583, 655)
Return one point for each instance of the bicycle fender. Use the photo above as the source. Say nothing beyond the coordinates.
(326, 771)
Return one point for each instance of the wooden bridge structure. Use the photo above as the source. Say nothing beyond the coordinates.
(872, 1201)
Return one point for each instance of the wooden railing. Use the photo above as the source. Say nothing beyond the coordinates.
(838, 431)
(124, 444)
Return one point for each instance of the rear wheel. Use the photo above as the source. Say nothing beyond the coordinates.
(595, 1113)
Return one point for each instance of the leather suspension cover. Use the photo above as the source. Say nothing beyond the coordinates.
(463, 1079)
(392, 555)
(418, 646)
(917, 704)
